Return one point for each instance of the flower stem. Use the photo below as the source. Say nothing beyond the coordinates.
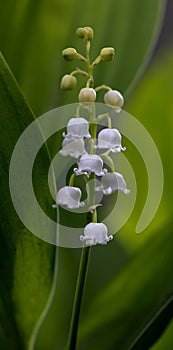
(78, 298)
(103, 87)
(79, 71)
(84, 261)
(108, 160)
(102, 117)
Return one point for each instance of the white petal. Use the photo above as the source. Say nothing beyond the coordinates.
(112, 182)
(88, 241)
(69, 196)
(90, 164)
(77, 127)
(73, 147)
(96, 233)
(107, 190)
(110, 139)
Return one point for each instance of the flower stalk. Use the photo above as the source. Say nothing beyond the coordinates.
(80, 285)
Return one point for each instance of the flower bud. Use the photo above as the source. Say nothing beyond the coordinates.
(68, 82)
(70, 53)
(115, 99)
(107, 53)
(87, 95)
(80, 32)
(85, 33)
(89, 33)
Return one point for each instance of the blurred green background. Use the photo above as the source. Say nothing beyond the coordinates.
(128, 297)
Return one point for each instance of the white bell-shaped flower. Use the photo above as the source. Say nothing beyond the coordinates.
(110, 139)
(90, 163)
(112, 182)
(77, 127)
(73, 147)
(69, 196)
(95, 233)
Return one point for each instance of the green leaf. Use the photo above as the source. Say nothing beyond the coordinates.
(26, 262)
(115, 25)
(130, 301)
(155, 327)
(165, 341)
(38, 31)
(123, 311)
(152, 105)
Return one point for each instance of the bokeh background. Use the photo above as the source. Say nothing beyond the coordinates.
(128, 297)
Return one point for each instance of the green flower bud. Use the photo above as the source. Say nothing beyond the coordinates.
(87, 95)
(70, 53)
(89, 33)
(114, 99)
(107, 53)
(80, 32)
(68, 82)
(86, 33)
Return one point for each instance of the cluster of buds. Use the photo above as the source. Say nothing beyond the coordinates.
(89, 93)
(83, 143)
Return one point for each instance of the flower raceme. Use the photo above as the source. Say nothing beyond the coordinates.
(80, 140)
(73, 145)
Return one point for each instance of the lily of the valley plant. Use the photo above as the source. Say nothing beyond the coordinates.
(84, 140)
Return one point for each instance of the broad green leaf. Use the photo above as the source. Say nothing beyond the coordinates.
(165, 342)
(55, 328)
(26, 262)
(118, 314)
(123, 310)
(152, 105)
(155, 327)
(38, 31)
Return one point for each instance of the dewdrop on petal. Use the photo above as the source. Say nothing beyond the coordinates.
(95, 233)
(69, 196)
(114, 99)
(68, 82)
(110, 139)
(87, 95)
(73, 147)
(112, 182)
(90, 163)
(77, 127)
